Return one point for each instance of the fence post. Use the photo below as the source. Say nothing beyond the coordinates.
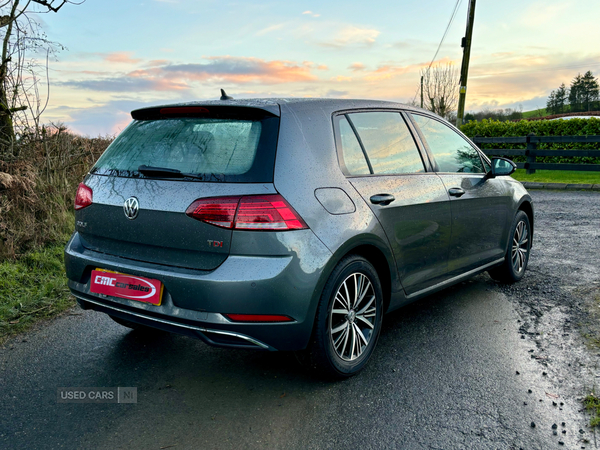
(530, 158)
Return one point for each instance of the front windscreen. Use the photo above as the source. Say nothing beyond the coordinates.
(214, 149)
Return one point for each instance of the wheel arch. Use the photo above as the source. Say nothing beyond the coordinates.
(378, 254)
(526, 206)
(376, 257)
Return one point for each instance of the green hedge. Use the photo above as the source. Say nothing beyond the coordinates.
(570, 127)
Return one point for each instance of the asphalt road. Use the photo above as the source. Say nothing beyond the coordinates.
(450, 372)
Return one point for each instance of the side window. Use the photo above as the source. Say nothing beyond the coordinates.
(354, 158)
(450, 150)
(388, 142)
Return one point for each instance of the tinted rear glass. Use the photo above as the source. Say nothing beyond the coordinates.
(388, 142)
(216, 149)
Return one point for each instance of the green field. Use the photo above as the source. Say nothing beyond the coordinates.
(535, 113)
(558, 176)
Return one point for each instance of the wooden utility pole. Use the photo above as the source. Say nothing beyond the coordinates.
(464, 70)
(421, 91)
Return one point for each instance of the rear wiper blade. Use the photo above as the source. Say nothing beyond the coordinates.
(165, 172)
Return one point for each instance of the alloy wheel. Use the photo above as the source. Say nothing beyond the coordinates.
(520, 246)
(352, 317)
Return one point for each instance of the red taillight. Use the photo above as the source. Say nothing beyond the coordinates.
(258, 318)
(216, 211)
(83, 197)
(267, 212)
(252, 212)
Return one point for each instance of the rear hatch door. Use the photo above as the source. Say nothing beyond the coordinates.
(193, 153)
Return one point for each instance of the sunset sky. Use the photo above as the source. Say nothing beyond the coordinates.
(124, 54)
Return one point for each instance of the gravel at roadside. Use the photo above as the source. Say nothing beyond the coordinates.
(559, 297)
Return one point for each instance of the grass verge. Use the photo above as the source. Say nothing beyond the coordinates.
(32, 288)
(535, 113)
(558, 176)
(592, 404)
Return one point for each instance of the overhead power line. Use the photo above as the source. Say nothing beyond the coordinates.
(456, 6)
(454, 11)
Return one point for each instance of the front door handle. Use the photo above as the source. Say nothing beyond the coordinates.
(382, 199)
(456, 192)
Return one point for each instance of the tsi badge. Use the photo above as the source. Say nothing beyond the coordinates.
(131, 207)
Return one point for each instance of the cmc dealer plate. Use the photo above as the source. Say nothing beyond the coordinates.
(126, 286)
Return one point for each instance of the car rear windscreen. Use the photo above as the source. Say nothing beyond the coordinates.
(218, 148)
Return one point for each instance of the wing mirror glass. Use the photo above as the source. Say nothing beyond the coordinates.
(502, 167)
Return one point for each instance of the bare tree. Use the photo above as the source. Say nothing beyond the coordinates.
(440, 89)
(21, 72)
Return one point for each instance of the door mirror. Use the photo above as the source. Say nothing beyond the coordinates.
(502, 167)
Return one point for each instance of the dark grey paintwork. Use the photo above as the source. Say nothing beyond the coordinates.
(417, 224)
(423, 241)
(335, 200)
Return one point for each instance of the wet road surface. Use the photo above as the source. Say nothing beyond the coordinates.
(444, 376)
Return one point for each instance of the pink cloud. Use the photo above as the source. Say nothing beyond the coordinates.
(240, 70)
(386, 72)
(157, 76)
(121, 57)
(357, 66)
(156, 62)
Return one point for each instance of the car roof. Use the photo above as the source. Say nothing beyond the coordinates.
(273, 104)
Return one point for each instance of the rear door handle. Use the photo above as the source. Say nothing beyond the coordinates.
(456, 192)
(382, 199)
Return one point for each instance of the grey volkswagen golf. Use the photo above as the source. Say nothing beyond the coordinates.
(290, 224)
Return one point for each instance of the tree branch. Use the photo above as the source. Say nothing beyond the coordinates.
(50, 4)
(19, 81)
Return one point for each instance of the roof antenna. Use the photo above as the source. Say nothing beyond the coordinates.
(224, 96)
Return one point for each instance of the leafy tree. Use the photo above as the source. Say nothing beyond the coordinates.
(500, 114)
(590, 91)
(585, 92)
(557, 100)
(583, 95)
(551, 103)
(469, 117)
(576, 93)
(561, 97)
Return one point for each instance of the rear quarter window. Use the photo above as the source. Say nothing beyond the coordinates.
(352, 154)
(388, 142)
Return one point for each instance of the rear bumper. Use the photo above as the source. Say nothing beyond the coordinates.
(194, 301)
(217, 338)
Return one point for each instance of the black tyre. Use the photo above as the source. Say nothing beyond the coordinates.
(517, 254)
(135, 326)
(348, 319)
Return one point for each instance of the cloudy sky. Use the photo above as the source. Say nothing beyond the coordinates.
(123, 54)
